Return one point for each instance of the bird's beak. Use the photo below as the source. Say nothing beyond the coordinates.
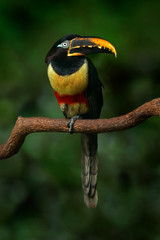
(88, 45)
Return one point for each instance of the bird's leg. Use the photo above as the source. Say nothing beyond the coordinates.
(71, 122)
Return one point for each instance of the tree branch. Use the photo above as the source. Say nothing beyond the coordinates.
(25, 126)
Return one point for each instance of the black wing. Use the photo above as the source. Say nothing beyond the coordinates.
(94, 92)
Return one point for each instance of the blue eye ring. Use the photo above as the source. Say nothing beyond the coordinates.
(64, 44)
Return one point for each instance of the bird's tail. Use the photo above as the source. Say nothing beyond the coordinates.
(89, 169)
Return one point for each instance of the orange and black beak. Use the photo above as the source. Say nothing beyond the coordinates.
(89, 45)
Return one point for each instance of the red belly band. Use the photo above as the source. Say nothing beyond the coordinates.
(79, 98)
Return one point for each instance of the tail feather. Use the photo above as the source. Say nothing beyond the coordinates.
(89, 169)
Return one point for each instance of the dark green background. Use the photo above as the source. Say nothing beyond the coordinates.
(40, 187)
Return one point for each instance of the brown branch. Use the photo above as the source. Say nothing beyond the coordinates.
(25, 126)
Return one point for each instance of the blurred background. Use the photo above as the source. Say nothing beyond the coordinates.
(40, 187)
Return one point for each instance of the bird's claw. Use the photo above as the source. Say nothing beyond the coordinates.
(71, 122)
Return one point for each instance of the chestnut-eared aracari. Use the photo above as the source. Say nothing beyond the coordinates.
(78, 90)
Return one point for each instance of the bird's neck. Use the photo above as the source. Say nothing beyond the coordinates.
(68, 65)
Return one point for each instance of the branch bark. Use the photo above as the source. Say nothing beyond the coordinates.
(25, 126)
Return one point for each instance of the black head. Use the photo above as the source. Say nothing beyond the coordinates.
(60, 51)
(74, 45)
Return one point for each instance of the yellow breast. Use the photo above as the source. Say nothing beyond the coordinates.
(69, 84)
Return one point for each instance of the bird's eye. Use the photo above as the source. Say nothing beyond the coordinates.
(64, 44)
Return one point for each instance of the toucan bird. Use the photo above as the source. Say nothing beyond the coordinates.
(78, 90)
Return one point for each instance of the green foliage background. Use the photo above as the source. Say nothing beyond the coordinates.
(40, 187)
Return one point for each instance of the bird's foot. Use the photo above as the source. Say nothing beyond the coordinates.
(71, 122)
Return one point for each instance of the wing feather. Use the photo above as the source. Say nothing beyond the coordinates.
(94, 92)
